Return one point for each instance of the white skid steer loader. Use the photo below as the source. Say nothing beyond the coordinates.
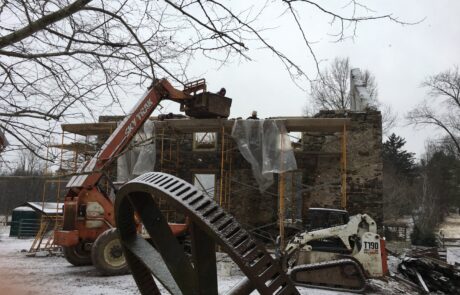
(341, 257)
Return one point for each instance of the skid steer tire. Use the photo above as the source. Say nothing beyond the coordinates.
(107, 254)
(77, 255)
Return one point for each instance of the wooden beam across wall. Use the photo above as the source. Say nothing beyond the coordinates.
(76, 147)
(293, 124)
(90, 128)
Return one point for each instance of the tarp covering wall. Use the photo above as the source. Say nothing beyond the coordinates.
(266, 145)
(140, 157)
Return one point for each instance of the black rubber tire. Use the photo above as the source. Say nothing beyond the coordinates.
(107, 254)
(77, 255)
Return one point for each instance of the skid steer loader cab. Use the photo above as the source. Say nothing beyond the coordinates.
(319, 218)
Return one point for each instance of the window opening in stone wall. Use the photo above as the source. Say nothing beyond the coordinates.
(204, 141)
(296, 140)
(206, 183)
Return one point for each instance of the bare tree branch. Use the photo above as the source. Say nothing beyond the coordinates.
(63, 60)
(443, 111)
(332, 91)
(424, 115)
(42, 23)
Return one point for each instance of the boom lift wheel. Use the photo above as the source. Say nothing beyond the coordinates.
(107, 254)
(77, 255)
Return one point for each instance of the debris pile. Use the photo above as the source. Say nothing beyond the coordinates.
(431, 274)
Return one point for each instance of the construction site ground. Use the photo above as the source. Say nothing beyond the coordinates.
(53, 275)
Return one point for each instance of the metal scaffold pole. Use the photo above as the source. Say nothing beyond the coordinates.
(281, 185)
(281, 207)
(343, 162)
(222, 153)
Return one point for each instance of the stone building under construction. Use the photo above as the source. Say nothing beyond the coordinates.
(337, 154)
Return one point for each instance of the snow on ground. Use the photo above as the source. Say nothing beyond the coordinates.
(53, 275)
(22, 275)
(453, 255)
(4, 230)
(450, 227)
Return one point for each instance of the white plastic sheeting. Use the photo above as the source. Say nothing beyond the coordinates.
(453, 255)
(360, 96)
(266, 145)
(140, 158)
(147, 154)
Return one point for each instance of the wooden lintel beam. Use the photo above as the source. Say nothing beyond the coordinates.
(293, 124)
(90, 128)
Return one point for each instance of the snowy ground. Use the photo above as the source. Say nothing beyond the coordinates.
(22, 275)
(450, 229)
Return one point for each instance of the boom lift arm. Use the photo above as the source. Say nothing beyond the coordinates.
(88, 211)
(122, 136)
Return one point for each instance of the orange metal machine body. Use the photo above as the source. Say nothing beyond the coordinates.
(88, 211)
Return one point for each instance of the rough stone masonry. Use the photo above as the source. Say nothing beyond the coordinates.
(316, 183)
(364, 165)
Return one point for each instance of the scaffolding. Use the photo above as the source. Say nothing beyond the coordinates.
(170, 141)
(173, 135)
(49, 221)
(343, 168)
(71, 156)
(225, 183)
(169, 151)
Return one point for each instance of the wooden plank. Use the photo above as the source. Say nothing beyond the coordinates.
(79, 147)
(293, 124)
(90, 128)
(303, 124)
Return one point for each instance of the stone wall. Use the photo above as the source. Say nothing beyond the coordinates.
(364, 165)
(317, 182)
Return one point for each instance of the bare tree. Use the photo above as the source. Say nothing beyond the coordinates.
(389, 117)
(3, 141)
(443, 110)
(332, 91)
(437, 185)
(67, 58)
(29, 163)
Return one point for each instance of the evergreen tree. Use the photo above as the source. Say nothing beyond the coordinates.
(399, 172)
(396, 158)
(444, 174)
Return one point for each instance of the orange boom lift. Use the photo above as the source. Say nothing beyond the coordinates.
(88, 233)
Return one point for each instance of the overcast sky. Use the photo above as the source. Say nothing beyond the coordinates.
(399, 56)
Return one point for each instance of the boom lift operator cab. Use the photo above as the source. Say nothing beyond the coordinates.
(88, 234)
